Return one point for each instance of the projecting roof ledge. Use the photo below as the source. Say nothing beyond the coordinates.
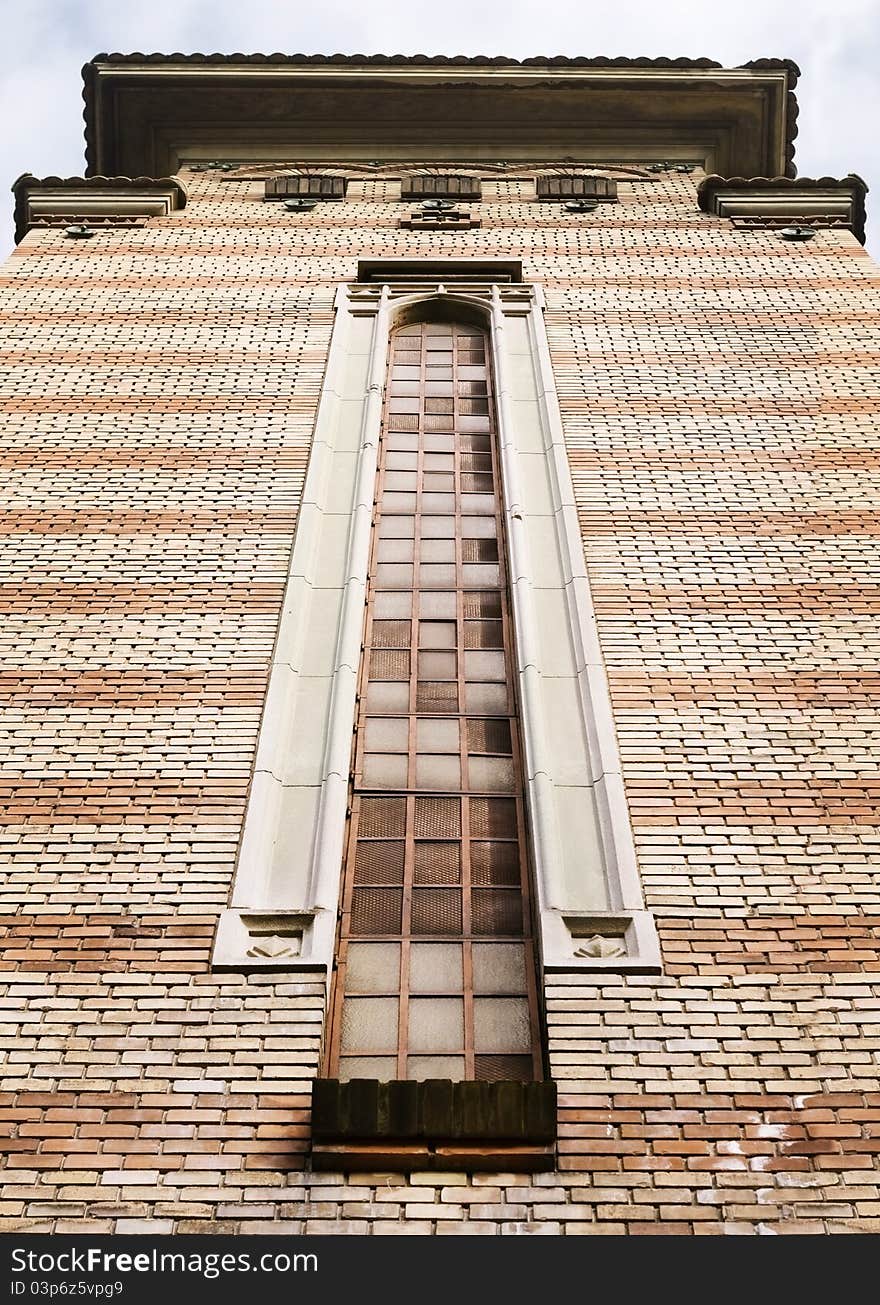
(103, 201)
(820, 200)
(151, 112)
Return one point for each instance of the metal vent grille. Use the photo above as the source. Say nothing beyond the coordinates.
(503, 1069)
(435, 925)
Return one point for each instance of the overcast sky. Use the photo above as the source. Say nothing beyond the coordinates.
(835, 42)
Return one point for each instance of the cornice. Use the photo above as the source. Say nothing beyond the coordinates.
(616, 85)
(50, 200)
(792, 199)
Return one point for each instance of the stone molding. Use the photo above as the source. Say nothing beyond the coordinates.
(290, 860)
(820, 201)
(50, 201)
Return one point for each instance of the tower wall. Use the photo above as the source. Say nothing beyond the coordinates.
(719, 393)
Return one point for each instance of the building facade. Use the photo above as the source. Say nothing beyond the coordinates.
(439, 657)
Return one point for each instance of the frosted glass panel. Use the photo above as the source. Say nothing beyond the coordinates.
(432, 604)
(501, 1024)
(437, 735)
(492, 774)
(422, 1067)
(385, 695)
(384, 770)
(386, 735)
(372, 967)
(499, 967)
(391, 606)
(438, 772)
(435, 967)
(437, 634)
(436, 1024)
(369, 1024)
(383, 1068)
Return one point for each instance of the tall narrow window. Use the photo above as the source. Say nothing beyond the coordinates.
(436, 968)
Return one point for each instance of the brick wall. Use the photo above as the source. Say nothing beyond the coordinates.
(720, 392)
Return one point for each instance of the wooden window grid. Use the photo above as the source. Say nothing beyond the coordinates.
(436, 971)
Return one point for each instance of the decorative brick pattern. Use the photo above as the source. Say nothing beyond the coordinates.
(719, 394)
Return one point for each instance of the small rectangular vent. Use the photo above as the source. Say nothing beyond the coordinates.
(559, 188)
(448, 185)
(313, 186)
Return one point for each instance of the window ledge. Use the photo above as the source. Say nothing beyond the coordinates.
(434, 1124)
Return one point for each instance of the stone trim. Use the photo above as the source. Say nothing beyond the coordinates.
(290, 860)
(780, 200)
(50, 201)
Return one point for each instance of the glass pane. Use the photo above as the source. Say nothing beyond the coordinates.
(439, 462)
(435, 967)
(435, 550)
(398, 503)
(389, 576)
(439, 389)
(400, 387)
(436, 577)
(397, 527)
(501, 1024)
(437, 603)
(369, 1024)
(480, 574)
(387, 696)
(438, 772)
(437, 634)
(390, 605)
(486, 698)
(401, 480)
(396, 550)
(499, 967)
(437, 665)
(383, 1068)
(384, 735)
(437, 735)
(477, 504)
(422, 1067)
(484, 666)
(373, 967)
(437, 443)
(384, 770)
(439, 503)
(398, 440)
(435, 1024)
(437, 480)
(479, 528)
(492, 774)
(401, 462)
(438, 528)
